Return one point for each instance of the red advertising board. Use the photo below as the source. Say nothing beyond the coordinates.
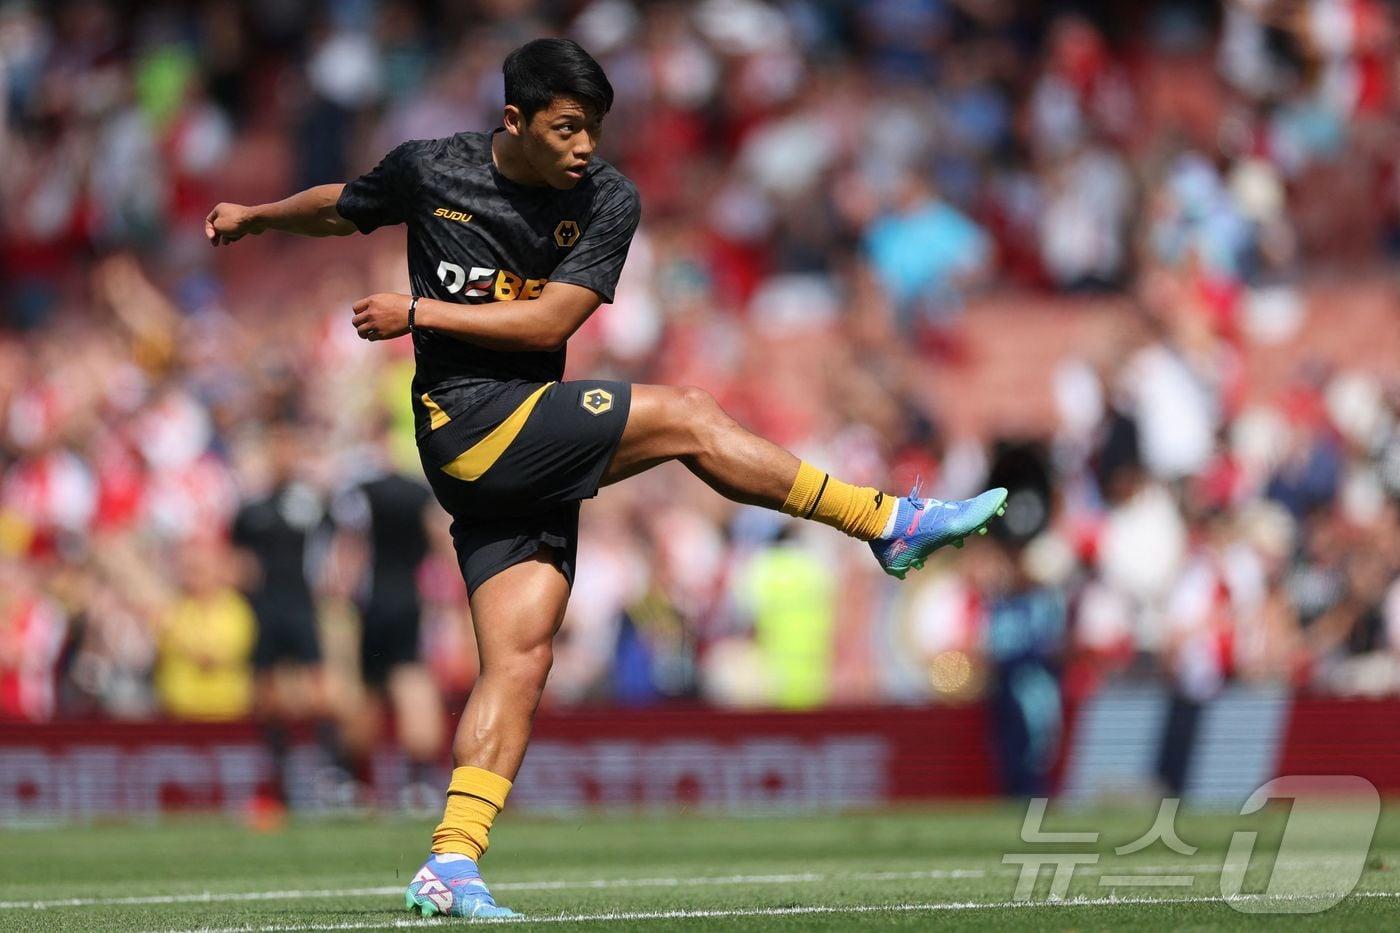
(663, 758)
(628, 758)
(1344, 736)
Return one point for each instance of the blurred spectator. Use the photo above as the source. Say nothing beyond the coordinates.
(1084, 228)
(31, 639)
(790, 596)
(925, 253)
(204, 669)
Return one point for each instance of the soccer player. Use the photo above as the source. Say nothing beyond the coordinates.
(273, 532)
(514, 238)
(381, 539)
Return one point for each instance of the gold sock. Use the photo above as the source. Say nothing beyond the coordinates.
(474, 798)
(860, 511)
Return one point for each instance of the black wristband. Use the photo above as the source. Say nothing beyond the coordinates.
(412, 309)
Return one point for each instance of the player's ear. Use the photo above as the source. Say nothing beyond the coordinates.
(513, 120)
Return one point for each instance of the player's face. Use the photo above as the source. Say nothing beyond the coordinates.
(559, 141)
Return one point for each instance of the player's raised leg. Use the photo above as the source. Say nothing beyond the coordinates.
(516, 614)
(687, 424)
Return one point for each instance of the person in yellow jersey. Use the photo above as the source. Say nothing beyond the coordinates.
(790, 594)
(204, 668)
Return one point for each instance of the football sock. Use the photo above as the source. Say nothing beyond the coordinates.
(860, 511)
(419, 772)
(474, 798)
(328, 739)
(274, 734)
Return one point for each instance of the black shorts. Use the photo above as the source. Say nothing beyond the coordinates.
(286, 638)
(512, 472)
(388, 639)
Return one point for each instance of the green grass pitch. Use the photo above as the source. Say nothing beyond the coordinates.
(911, 869)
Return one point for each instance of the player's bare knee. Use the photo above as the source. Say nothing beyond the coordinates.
(700, 418)
(529, 668)
(706, 422)
(695, 400)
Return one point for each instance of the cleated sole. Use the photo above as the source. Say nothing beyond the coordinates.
(430, 910)
(422, 910)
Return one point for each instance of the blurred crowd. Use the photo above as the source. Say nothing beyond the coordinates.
(829, 188)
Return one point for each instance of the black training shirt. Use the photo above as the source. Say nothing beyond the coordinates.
(276, 529)
(475, 236)
(388, 511)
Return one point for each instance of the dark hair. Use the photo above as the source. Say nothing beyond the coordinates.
(544, 69)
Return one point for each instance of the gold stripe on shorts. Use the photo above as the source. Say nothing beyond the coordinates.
(480, 457)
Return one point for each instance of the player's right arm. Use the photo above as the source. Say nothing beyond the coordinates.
(310, 213)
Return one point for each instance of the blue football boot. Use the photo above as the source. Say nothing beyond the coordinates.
(922, 526)
(451, 885)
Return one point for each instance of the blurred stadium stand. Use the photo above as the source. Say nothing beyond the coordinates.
(1139, 256)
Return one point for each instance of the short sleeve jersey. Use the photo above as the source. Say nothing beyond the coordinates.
(388, 511)
(475, 236)
(276, 530)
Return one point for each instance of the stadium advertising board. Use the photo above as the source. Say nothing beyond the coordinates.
(629, 758)
(696, 758)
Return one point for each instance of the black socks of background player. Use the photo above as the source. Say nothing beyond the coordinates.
(276, 736)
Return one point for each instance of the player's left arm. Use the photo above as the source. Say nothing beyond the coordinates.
(543, 323)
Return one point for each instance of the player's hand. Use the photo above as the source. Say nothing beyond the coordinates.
(381, 317)
(227, 223)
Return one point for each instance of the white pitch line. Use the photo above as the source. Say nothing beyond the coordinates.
(619, 916)
(209, 897)
(205, 897)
